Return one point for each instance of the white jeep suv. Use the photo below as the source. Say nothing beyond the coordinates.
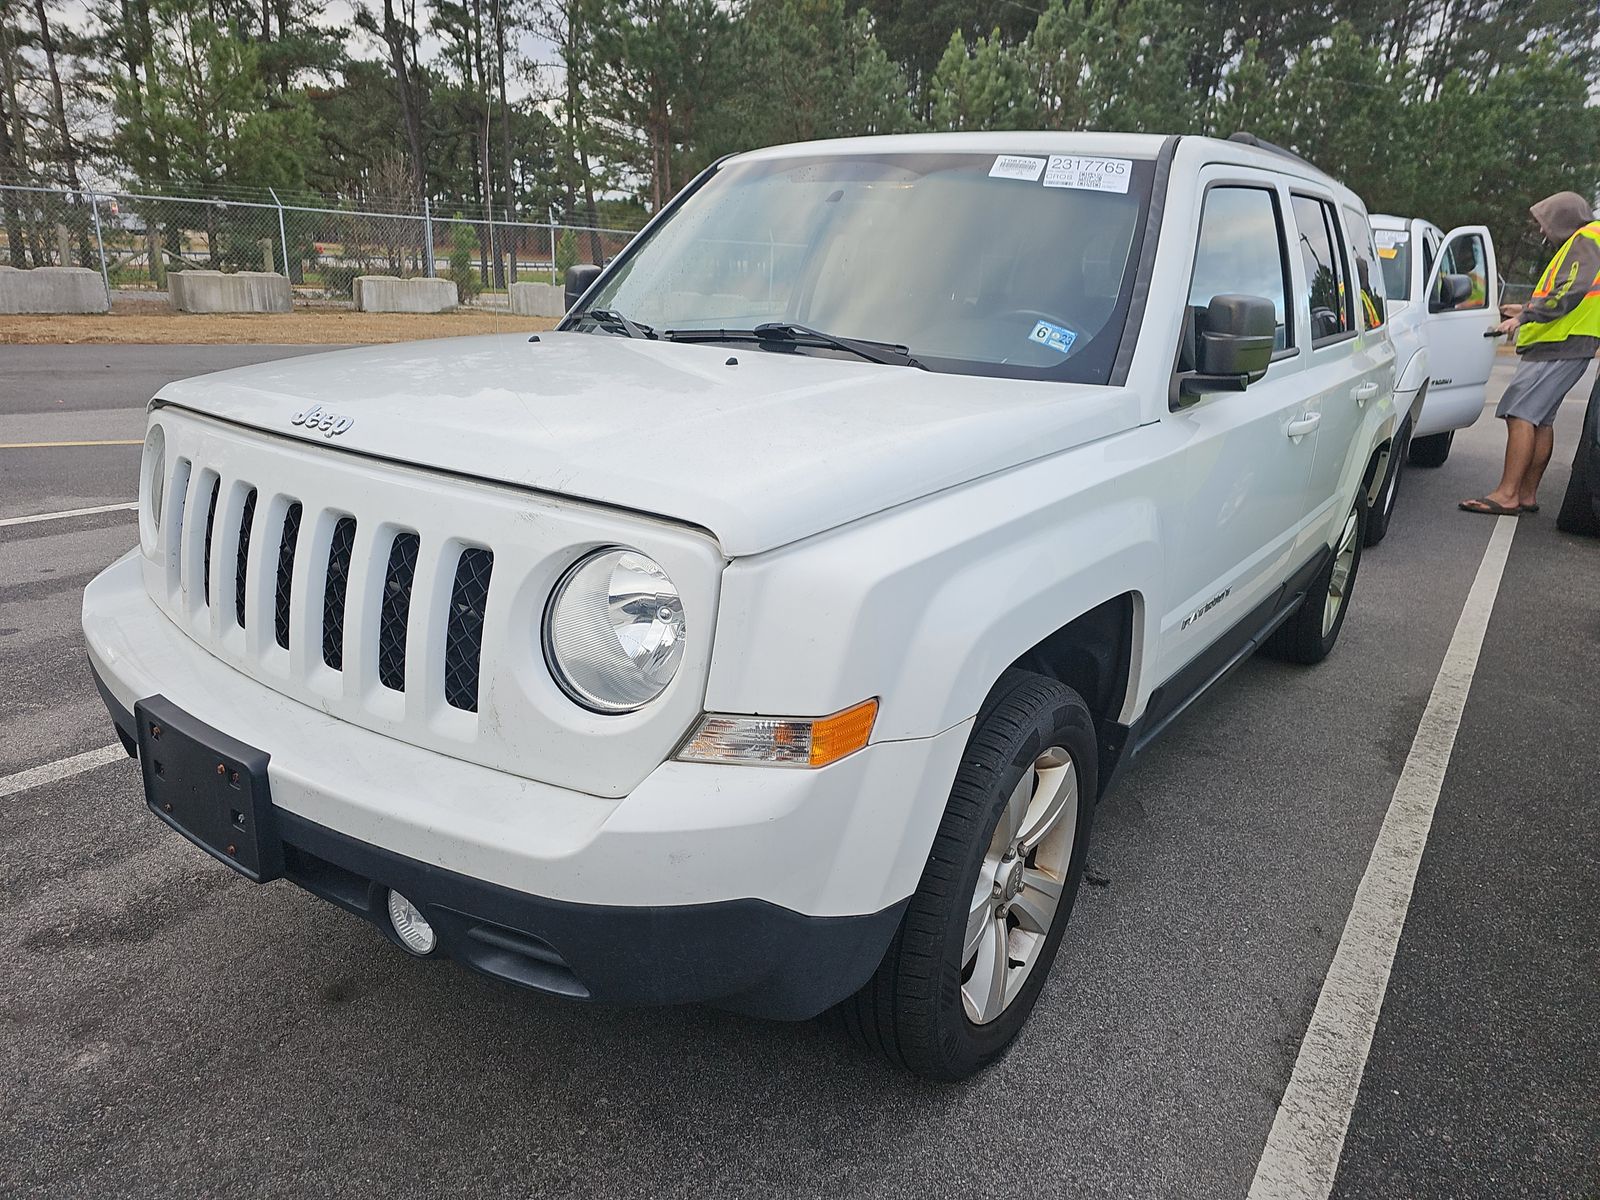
(766, 635)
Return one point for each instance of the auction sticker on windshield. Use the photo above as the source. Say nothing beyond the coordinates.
(1094, 174)
(1015, 166)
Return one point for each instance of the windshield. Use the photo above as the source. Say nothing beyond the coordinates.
(1394, 252)
(1017, 266)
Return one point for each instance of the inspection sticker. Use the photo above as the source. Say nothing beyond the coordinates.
(1093, 174)
(1057, 338)
(1015, 166)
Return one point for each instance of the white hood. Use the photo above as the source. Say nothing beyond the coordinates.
(776, 448)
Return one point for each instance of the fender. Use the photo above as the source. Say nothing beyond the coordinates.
(924, 606)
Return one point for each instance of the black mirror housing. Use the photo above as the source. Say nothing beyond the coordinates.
(1236, 336)
(579, 277)
(1451, 291)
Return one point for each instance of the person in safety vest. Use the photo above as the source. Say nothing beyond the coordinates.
(1557, 333)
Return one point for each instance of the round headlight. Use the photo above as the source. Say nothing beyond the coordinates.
(152, 486)
(613, 633)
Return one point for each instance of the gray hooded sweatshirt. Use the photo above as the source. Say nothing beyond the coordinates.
(1559, 217)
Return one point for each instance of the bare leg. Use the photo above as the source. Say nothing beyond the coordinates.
(1544, 441)
(1520, 438)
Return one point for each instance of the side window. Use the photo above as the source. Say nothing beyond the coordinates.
(1240, 249)
(1322, 251)
(1369, 274)
(1429, 249)
(1464, 255)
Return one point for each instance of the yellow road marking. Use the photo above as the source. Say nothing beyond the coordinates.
(60, 445)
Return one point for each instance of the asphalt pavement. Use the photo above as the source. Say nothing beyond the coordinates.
(168, 1028)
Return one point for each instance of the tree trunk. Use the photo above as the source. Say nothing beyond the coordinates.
(508, 209)
(8, 164)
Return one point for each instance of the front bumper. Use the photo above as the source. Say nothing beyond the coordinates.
(768, 891)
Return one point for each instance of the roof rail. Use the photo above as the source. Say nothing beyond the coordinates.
(1250, 139)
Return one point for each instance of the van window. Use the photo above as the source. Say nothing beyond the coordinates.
(1369, 277)
(1322, 252)
(1240, 249)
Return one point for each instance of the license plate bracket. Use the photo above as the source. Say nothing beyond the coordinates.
(210, 787)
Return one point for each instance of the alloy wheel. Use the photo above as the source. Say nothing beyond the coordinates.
(1019, 885)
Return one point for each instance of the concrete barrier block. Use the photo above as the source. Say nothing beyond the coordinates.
(52, 290)
(386, 293)
(238, 292)
(538, 300)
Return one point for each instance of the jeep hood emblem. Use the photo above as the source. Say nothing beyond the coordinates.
(329, 424)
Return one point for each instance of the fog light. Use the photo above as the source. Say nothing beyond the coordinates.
(410, 925)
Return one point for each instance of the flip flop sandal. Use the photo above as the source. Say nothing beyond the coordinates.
(1530, 508)
(1489, 508)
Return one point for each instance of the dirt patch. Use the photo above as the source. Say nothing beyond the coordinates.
(144, 324)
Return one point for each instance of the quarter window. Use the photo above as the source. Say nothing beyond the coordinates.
(1369, 275)
(1240, 250)
(1322, 252)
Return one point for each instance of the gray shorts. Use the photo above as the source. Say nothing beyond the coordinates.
(1537, 389)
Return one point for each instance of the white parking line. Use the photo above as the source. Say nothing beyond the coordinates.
(1308, 1133)
(71, 512)
(62, 768)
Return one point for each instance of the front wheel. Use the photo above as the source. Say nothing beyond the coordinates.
(1309, 634)
(1431, 451)
(979, 935)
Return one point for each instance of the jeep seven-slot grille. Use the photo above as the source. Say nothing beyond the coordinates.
(389, 584)
(396, 610)
(463, 641)
(333, 595)
(242, 559)
(286, 547)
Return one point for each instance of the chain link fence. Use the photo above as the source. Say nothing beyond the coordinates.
(136, 240)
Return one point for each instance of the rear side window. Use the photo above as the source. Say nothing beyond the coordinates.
(1322, 252)
(1240, 249)
(1369, 276)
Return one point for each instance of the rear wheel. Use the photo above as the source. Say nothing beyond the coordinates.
(1309, 635)
(977, 940)
(1378, 517)
(1431, 451)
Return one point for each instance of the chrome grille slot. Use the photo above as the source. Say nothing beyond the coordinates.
(286, 548)
(242, 558)
(463, 645)
(333, 595)
(396, 610)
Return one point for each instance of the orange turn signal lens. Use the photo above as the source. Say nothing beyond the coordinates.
(843, 733)
(781, 741)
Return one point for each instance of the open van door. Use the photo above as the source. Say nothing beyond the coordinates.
(1462, 293)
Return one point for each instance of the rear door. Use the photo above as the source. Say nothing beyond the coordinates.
(1350, 363)
(1460, 350)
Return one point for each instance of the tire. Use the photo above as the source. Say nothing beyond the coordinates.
(1309, 635)
(1431, 451)
(1034, 739)
(1379, 516)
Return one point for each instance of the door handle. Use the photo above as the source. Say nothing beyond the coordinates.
(1301, 426)
(1365, 392)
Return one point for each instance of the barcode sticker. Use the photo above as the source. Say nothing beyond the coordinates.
(1091, 174)
(1015, 166)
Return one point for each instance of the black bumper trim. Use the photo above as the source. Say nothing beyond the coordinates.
(746, 955)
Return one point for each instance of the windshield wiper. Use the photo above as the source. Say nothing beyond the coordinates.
(610, 318)
(786, 332)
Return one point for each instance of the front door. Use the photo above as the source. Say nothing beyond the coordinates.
(1240, 479)
(1462, 293)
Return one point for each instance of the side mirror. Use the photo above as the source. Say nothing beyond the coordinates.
(1451, 291)
(1231, 345)
(579, 278)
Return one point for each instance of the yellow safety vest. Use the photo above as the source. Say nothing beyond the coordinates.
(1559, 279)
